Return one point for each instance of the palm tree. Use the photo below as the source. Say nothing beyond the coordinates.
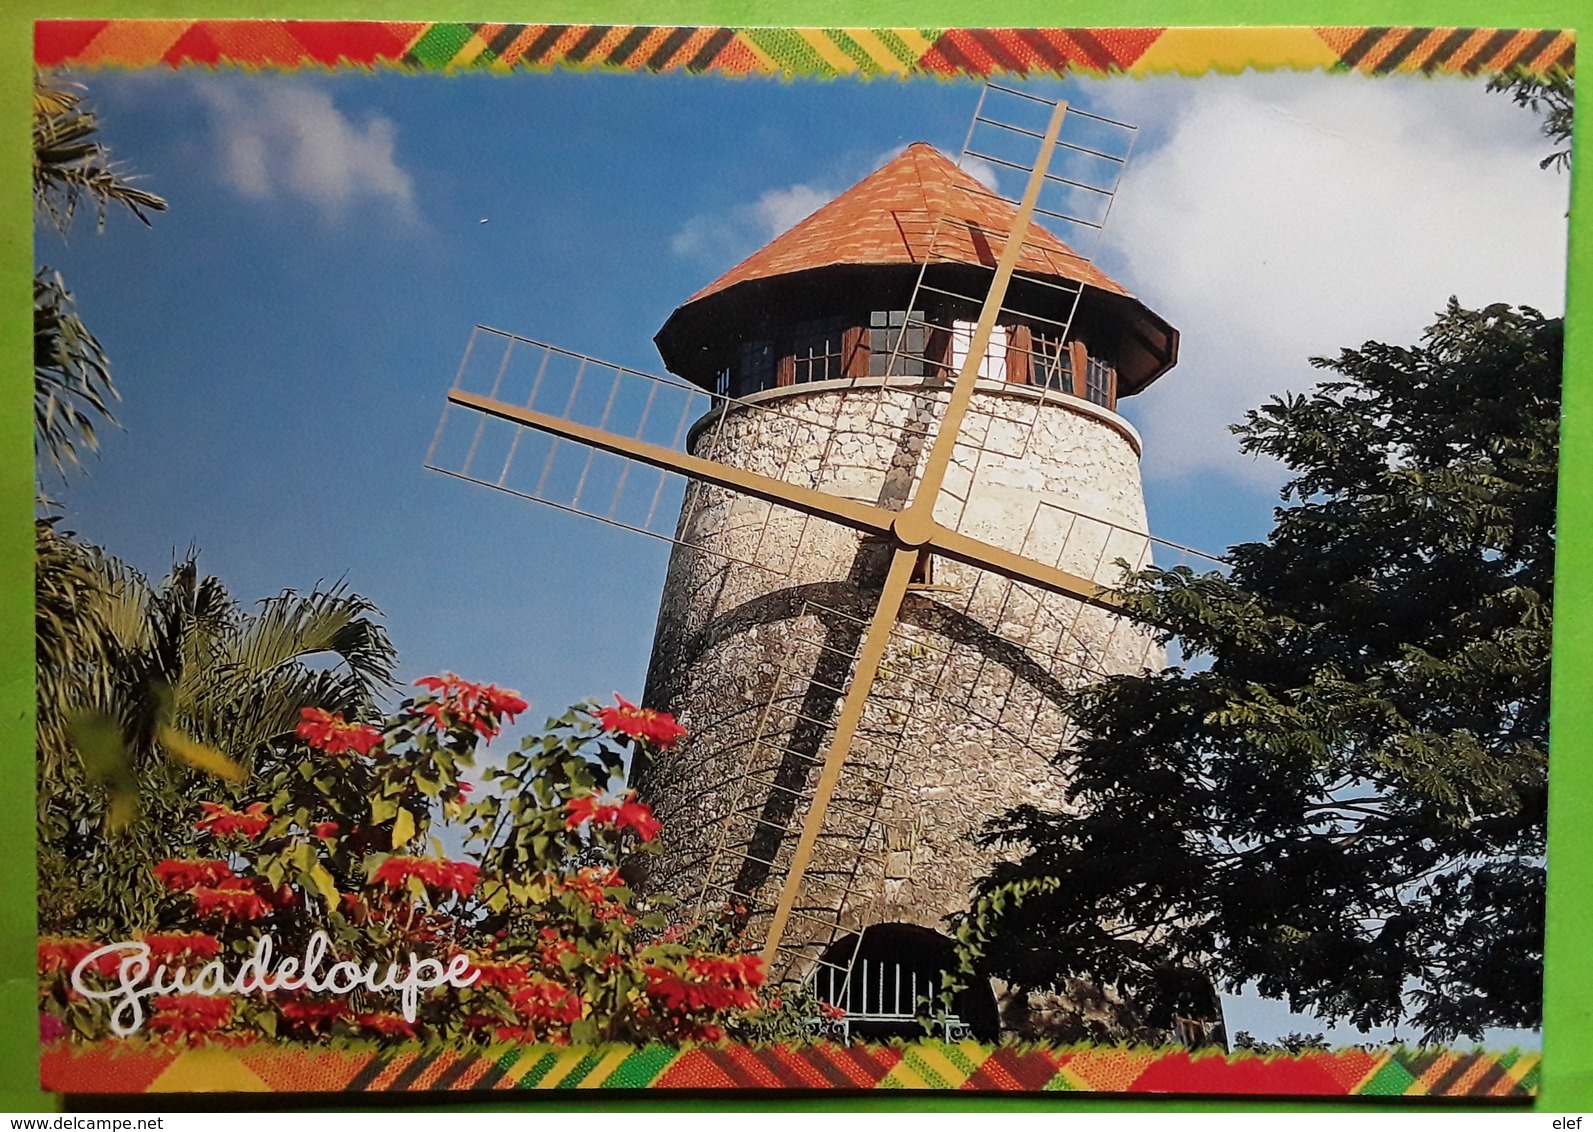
(71, 165)
(72, 387)
(140, 686)
(72, 168)
(146, 682)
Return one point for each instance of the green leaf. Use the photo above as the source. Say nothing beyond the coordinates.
(325, 885)
(403, 829)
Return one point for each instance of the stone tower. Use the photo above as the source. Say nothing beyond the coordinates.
(963, 724)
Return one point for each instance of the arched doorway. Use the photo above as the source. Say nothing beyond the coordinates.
(894, 986)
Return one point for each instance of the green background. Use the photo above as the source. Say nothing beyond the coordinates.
(1567, 1078)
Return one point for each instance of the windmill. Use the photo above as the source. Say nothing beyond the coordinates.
(880, 470)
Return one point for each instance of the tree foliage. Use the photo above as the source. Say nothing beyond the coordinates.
(143, 689)
(72, 387)
(338, 833)
(72, 168)
(1551, 94)
(1346, 806)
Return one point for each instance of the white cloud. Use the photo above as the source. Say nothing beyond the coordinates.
(981, 171)
(780, 209)
(277, 138)
(724, 238)
(1287, 216)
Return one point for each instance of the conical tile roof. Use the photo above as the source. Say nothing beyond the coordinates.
(889, 218)
(882, 227)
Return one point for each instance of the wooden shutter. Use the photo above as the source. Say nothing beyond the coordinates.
(1019, 343)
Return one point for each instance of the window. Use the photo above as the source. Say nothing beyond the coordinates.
(756, 370)
(993, 366)
(1053, 363)
(817, 352)
(1099, 382)
(722, 383)
(890, 330)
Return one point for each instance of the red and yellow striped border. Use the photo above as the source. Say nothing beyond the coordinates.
(122, 1067)
(793, 52)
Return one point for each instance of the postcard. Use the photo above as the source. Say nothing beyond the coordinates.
(585, 555)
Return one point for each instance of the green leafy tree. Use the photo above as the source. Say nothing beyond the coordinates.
(1551, 94)
(1346, 804)
(1293, 1043)
(72, 387)
(144, 687)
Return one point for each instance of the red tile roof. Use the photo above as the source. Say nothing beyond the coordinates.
(889, 218)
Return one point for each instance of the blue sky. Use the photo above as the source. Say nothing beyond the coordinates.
(284, 335)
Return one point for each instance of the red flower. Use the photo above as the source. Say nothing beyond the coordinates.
(181, 876)
(553, 945)
(51, 1028)
(327, 731)
(483, 708)
(170, 947)
(458, 877)
(830, 1010)
(606, 912)
(638, 816)
(504, 976)
(587, 808)
(326, 830)
(626, 814)
(709, 982)
(238, 901)
(386, 1024)
(63, 956)
(223, 821)
(592, 883)
(502, 702)
(545, 1001)
(656, 727)
(182, 1015)
(312, 1015)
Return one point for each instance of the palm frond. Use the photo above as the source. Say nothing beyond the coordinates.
(253, 714)
(71, 166)
(75, 648)
(72, 387)
(293, 627)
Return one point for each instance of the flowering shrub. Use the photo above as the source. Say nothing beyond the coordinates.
(326, 731)
(224, 821)
(335, 835)
(658, 728)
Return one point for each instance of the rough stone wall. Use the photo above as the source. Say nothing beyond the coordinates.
(963, 723)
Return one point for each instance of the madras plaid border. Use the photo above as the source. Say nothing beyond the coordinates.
(793, 52)
(122, 1067)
